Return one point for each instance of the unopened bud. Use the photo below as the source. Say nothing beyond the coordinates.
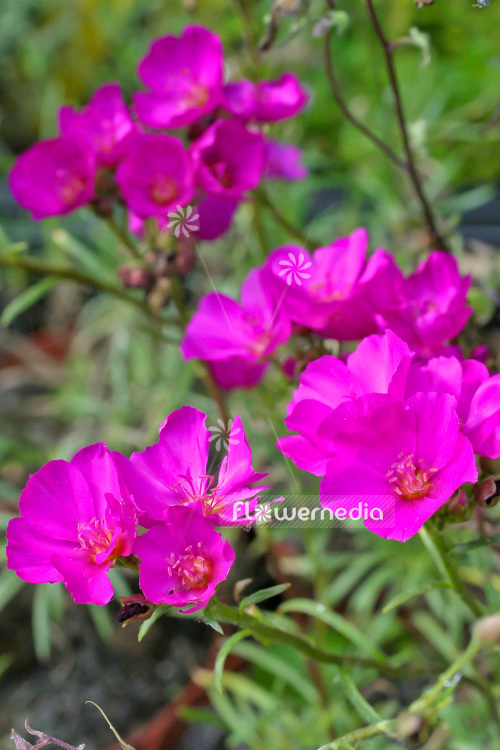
(135, 278)
(134, 607)
(487, 630)
(412, 728)
(488, 492)
(457, 503)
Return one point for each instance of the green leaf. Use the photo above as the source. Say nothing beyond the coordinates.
(224, 653)
(27, 299)
(102, 621)
(460, 549)
(40, 620)
(10, 584)
(405, 596)
(336, 622)
(262, 595)
(148, 624)
(5, 662)
(209, 620)
(279, 666)
(354, 697)
(201, 716)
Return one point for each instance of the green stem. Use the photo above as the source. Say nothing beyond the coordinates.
(434, 543)
(124, 237)
(269, 633)
(205, 373)
(30, 265)
(365, 733)
(427, 700)
(262, 197)
(427, 209)
(425, 705)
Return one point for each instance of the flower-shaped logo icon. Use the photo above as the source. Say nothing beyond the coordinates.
(263, 513)
(183, 221)
(221, 433)
(294, 269)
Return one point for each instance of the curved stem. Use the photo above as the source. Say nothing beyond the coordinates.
(435, 545)
(124, 237)
(262, 197)
(269, 633)
(427, 210)
(425, 705)
(30, 265)
(336, 93)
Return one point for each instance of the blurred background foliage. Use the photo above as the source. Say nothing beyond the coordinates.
(78, 366)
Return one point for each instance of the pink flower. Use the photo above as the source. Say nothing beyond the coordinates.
(185, 77)
(237, 338)
(76, 519)
(340, 293)
(183, 560)
(433, 306)
(403, 459)
(53, 177)
(477, 395)
(216, 215)
(174, 471)
(266, 101)
(284, 161)
(329, 387)
(228, 159)
(156, 175)
(104, 125)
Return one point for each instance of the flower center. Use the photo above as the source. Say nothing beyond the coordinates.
(191, 568)
(411, 481)
(163, 189)
(327, 291)
(95, 538)
(197, 96)
(70, 186)
(222, 173)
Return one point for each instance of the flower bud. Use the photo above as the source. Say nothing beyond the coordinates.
(488, 492)
(412, 728)
(487, 630)
(457, 503)
(134, 607)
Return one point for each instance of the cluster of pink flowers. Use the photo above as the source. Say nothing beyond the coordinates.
(104, 152)
(394, 425)
(333, 293)
(389, 428)
(79, 518)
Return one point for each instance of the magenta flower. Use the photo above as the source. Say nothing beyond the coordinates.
(433, 306)
(174, 471)
(329, 387)
(104, 125)
(185, 77)
(266, 101)
(156, 175)
(284, 161)
(476, 393)
(76, 519)
(237, 338)
(228, 159)
(53, 178)
(402, 460)
(339, 294)
(216, 215)
(183, 560)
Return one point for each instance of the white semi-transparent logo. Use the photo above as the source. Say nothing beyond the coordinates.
(224, 435)
(294, 269)
(183, 221)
